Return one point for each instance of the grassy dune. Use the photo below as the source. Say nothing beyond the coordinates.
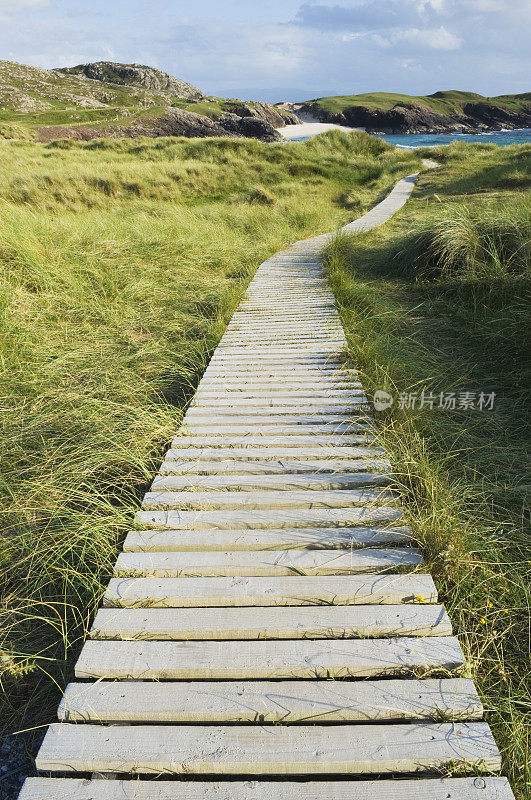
(437, 301)
(121, 263)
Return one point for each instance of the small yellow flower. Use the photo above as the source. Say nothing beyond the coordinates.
(490, 605)
(420, 599)
(505, 610)
(483, 621)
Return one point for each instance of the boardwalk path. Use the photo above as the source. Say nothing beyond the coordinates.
(273, 561)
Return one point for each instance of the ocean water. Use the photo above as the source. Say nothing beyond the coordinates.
(503, 138)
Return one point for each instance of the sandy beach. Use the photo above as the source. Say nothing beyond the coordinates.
(291, 132)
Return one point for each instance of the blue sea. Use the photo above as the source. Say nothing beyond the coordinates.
(503, 138)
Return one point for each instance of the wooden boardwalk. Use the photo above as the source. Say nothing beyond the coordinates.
(270, 631)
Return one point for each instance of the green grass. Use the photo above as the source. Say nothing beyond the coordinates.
(450, 102)
(437, 301)
(121, 263)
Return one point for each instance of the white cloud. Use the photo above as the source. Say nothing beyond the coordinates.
(436, 38)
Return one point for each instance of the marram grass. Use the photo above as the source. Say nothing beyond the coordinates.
(121, 262)
(438, 300)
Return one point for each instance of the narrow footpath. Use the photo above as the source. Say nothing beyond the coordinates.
(270, 631)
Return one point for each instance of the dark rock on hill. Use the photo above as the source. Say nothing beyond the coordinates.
(416, 119)
(134, 75)
(253, 127)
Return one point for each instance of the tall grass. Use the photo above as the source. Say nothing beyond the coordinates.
(121, 262)
(482, 243)
(436, 301)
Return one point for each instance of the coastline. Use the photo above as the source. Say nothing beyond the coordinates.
(410, 141)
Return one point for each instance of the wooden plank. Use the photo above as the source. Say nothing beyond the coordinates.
(268, 539)
(276, 442)
(337, 498)
(242, 482)
(269, 660)
(281, 467)
(333, 403)
(479, 788)
(269, 702)
(208, 426)
(263, 390)
(296, 590)
(276, 518)
(267, 385)
(266, 563)
(239, 416)
(310, 422)
(317, 622)
(286, 374)
(273, 453)
(280, 749)
(360, 423)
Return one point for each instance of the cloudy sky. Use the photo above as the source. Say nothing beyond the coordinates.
(286, 49)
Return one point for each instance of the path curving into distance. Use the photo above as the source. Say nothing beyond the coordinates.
(270, 630)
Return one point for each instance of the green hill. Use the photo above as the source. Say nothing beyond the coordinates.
(107, 96)
(438, 112)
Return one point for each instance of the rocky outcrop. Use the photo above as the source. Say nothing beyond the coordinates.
(25, 89)
(134, 75)
(252, 127)
(264, 111)
(476, 117)
(174, 123)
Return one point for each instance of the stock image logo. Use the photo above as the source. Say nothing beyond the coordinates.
(449, 401)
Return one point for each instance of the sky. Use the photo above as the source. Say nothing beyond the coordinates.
(286, 49)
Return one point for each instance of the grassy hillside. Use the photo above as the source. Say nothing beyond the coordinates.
(450, 102)
(121, 263)
(438, 301)
(24, 89)
(32, 98)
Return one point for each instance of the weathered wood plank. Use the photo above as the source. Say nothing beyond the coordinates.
(321, 480)
(333, 403)
(276, 442)
(296, 590)
(337, 498)
(267, 563)
(269, 539)
(309, 423)
(317, 622)
(281, 467)
(273, 660)
(479, 788)
(272, 453)
(277, 518)
(268, 702)
(207, 425)
(280, 749)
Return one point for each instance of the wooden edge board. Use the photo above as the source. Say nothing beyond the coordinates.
(478, 788)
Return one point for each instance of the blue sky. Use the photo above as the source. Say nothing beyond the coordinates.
(286, 49)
